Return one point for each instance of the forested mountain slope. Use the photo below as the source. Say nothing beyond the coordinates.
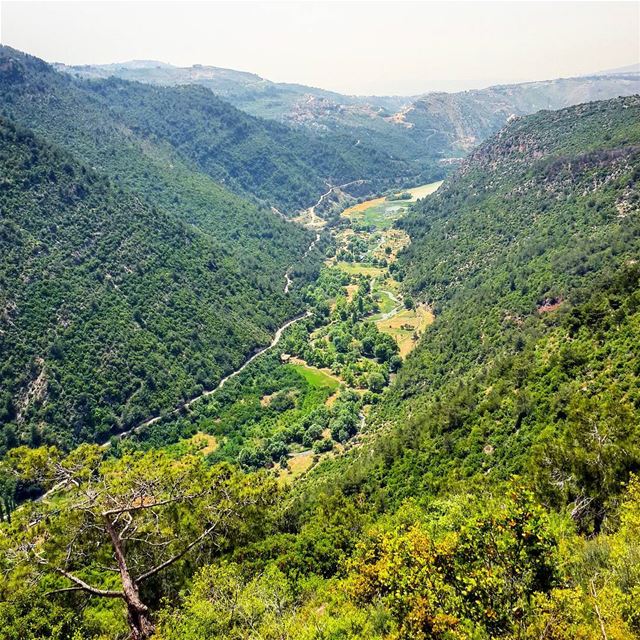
(186, 129)
(282, 166)
(494, 493)
(528, 255)
(113, 310)
(425, 128)
(359, 118)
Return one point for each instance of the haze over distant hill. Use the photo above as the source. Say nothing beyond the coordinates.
(433, 124)
(627, 69)
(414, 416)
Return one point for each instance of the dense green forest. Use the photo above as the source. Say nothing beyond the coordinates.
(492, 491)
(422, 128)
(114, 310)
(161, 141)
(222, 274)
(529, 258)
(279, 165)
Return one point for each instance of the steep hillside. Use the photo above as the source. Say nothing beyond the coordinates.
(280, 166)
(492, 493)
(425, 128)
(465, 119)
(185, 129)
(528, 256)
(113, 310)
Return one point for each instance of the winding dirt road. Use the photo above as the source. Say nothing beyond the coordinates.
(185, 405)
(274, 342)
(315, 219)
(287, 281)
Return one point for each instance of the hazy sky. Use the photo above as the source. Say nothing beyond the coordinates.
(351, 47)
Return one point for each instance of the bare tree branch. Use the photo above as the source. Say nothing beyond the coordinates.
(81, 584)
(179, 555)
(105, 593)
(157, 503)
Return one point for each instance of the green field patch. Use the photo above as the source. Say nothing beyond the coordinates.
(381, 216)
(382, 213)
(357, 268)
(316, 377)
(385, 302)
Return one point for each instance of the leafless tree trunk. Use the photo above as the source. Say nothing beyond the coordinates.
(137, 612)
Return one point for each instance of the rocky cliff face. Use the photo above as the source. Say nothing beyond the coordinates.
(465, 119)
(434, 127)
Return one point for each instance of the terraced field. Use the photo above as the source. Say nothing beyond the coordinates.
(406, 326)
(372, 225)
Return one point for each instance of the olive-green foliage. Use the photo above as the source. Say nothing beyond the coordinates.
(114, 310)
(474, 566)
(478, 579)
(224, 605)
(178, 129)
(529, 257)
(157, 509)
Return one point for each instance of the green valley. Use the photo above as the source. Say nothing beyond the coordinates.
(255, 384)
(308, 396)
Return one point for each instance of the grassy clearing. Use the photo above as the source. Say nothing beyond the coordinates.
(299, 464)
(424, 190)
(390, 284)
(202, 443)
(317, 378)
(383, 216)
(404, 325)
(265, 401)
(385, 301)
(357, 268)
